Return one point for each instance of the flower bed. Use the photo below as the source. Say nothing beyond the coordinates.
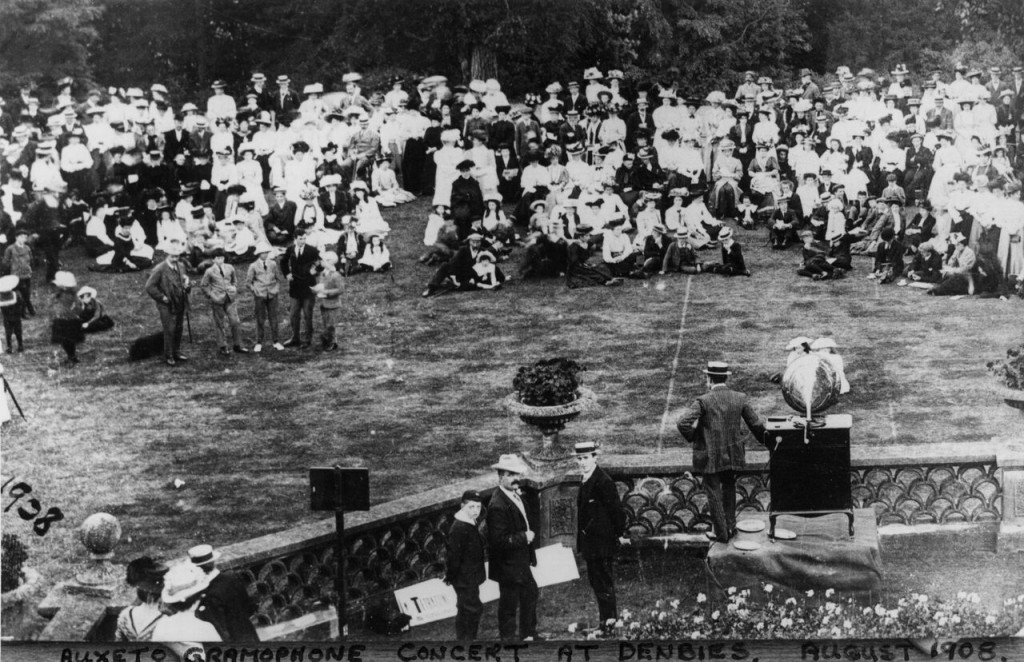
(818, 615)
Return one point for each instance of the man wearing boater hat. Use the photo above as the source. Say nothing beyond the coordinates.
(225, 603)
(169, 286)
(512, 543)
(601, 523)
(712, 424)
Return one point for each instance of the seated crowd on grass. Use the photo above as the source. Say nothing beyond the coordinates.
(594, 181)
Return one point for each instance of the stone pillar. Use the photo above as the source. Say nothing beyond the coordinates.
(1011, 528)
(77, 609)
(558, 513)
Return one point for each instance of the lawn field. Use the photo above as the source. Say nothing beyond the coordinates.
(415, 393)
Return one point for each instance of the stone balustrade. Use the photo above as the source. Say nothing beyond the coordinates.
(401, 542)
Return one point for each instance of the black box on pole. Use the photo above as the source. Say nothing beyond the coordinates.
(337, 488)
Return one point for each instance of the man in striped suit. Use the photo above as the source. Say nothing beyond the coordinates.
(712, 424)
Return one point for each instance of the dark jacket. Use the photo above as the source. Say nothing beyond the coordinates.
(602, 519)
(301, 269)
(510, 555)
(465, 560)
(712, 424)
(168, 282)
(227, 605)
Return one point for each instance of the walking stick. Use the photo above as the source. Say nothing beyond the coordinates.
(188, 323)
(7, 387)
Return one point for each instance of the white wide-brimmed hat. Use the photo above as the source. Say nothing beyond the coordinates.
(512, 463)
(183, 581)
(65, 279)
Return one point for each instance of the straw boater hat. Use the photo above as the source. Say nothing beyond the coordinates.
(824, 343)
(512, 463)
(725, 233)
(717, 368)
(797, 343)
(184, 581)
(201, 555)
(7, 285)
(585, 447)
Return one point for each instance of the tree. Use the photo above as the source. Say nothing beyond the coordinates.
(716, 40)
(43, 40)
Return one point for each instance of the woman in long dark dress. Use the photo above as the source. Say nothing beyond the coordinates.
(414, 160)
(431, 143)
(578, 271)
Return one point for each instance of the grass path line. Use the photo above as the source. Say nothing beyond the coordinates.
(675, 363)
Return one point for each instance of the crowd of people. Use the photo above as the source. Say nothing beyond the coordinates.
(594, 182)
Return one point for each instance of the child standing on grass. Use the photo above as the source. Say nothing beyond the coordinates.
(12, 310)
(328, 292)
(18, 262)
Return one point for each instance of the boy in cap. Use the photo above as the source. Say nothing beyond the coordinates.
(265, 278)
(328, 292)
(712, 424)
(18, 262)
(220, 288)
(601, 524)
(511, 542)
(465, 565)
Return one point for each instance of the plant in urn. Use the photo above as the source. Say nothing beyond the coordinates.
(548, 395)
(1010, 373)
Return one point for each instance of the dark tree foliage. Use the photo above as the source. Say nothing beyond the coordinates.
(44, 40)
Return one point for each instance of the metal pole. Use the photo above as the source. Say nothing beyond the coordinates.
(339, 578)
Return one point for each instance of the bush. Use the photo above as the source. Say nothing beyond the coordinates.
(1010, 372)
(820, 615)
(548, 382)
(14, 557)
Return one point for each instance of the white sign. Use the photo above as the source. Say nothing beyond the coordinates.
(433, 600)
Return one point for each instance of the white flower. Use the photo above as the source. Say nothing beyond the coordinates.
(759, 626)
(592, 636)
(634, 626)
(662, 616)
(657, 603)
(731, 607)
(654, 613)
(961, 595)
(695, 634)
(768, 588)
(715, 614)
(830, 592)
(942, 621)
(955, 619)
(830, 607)
(572, 627)
(787, 622)
(731, 590)
(674, 604)
(701, 598)
(741, 600)
(697, 620)
(990, 619)
(922, 598)
(745, 592)
(618, 623)
(810, 593)
(626, 614)
(893, 613)
(974, 598)
(790, 601)
(743, 613)
(866, 611)
(848, 625)
(879, 610)
(836, 632)
(1008, 602)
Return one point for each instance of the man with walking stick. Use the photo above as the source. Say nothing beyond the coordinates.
(169, 286)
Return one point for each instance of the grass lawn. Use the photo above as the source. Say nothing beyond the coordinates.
(414, 395)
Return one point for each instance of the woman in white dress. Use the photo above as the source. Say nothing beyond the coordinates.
(368, 217)
(485, 169)
(947, 163)
(376, 256)
(250, 175)
(446, 159)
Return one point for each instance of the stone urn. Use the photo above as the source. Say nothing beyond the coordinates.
(551, 420)
(99, 534)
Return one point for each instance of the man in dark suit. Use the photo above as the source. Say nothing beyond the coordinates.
(511, 543)
(297, 266)
(573, 99)
(465, 566)
(286, 100)
(602, 522)
(641, 120)
(168, 286)
(279, 223)
(176, 141)
(459, 267)
(225, 603)
(712, 424)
